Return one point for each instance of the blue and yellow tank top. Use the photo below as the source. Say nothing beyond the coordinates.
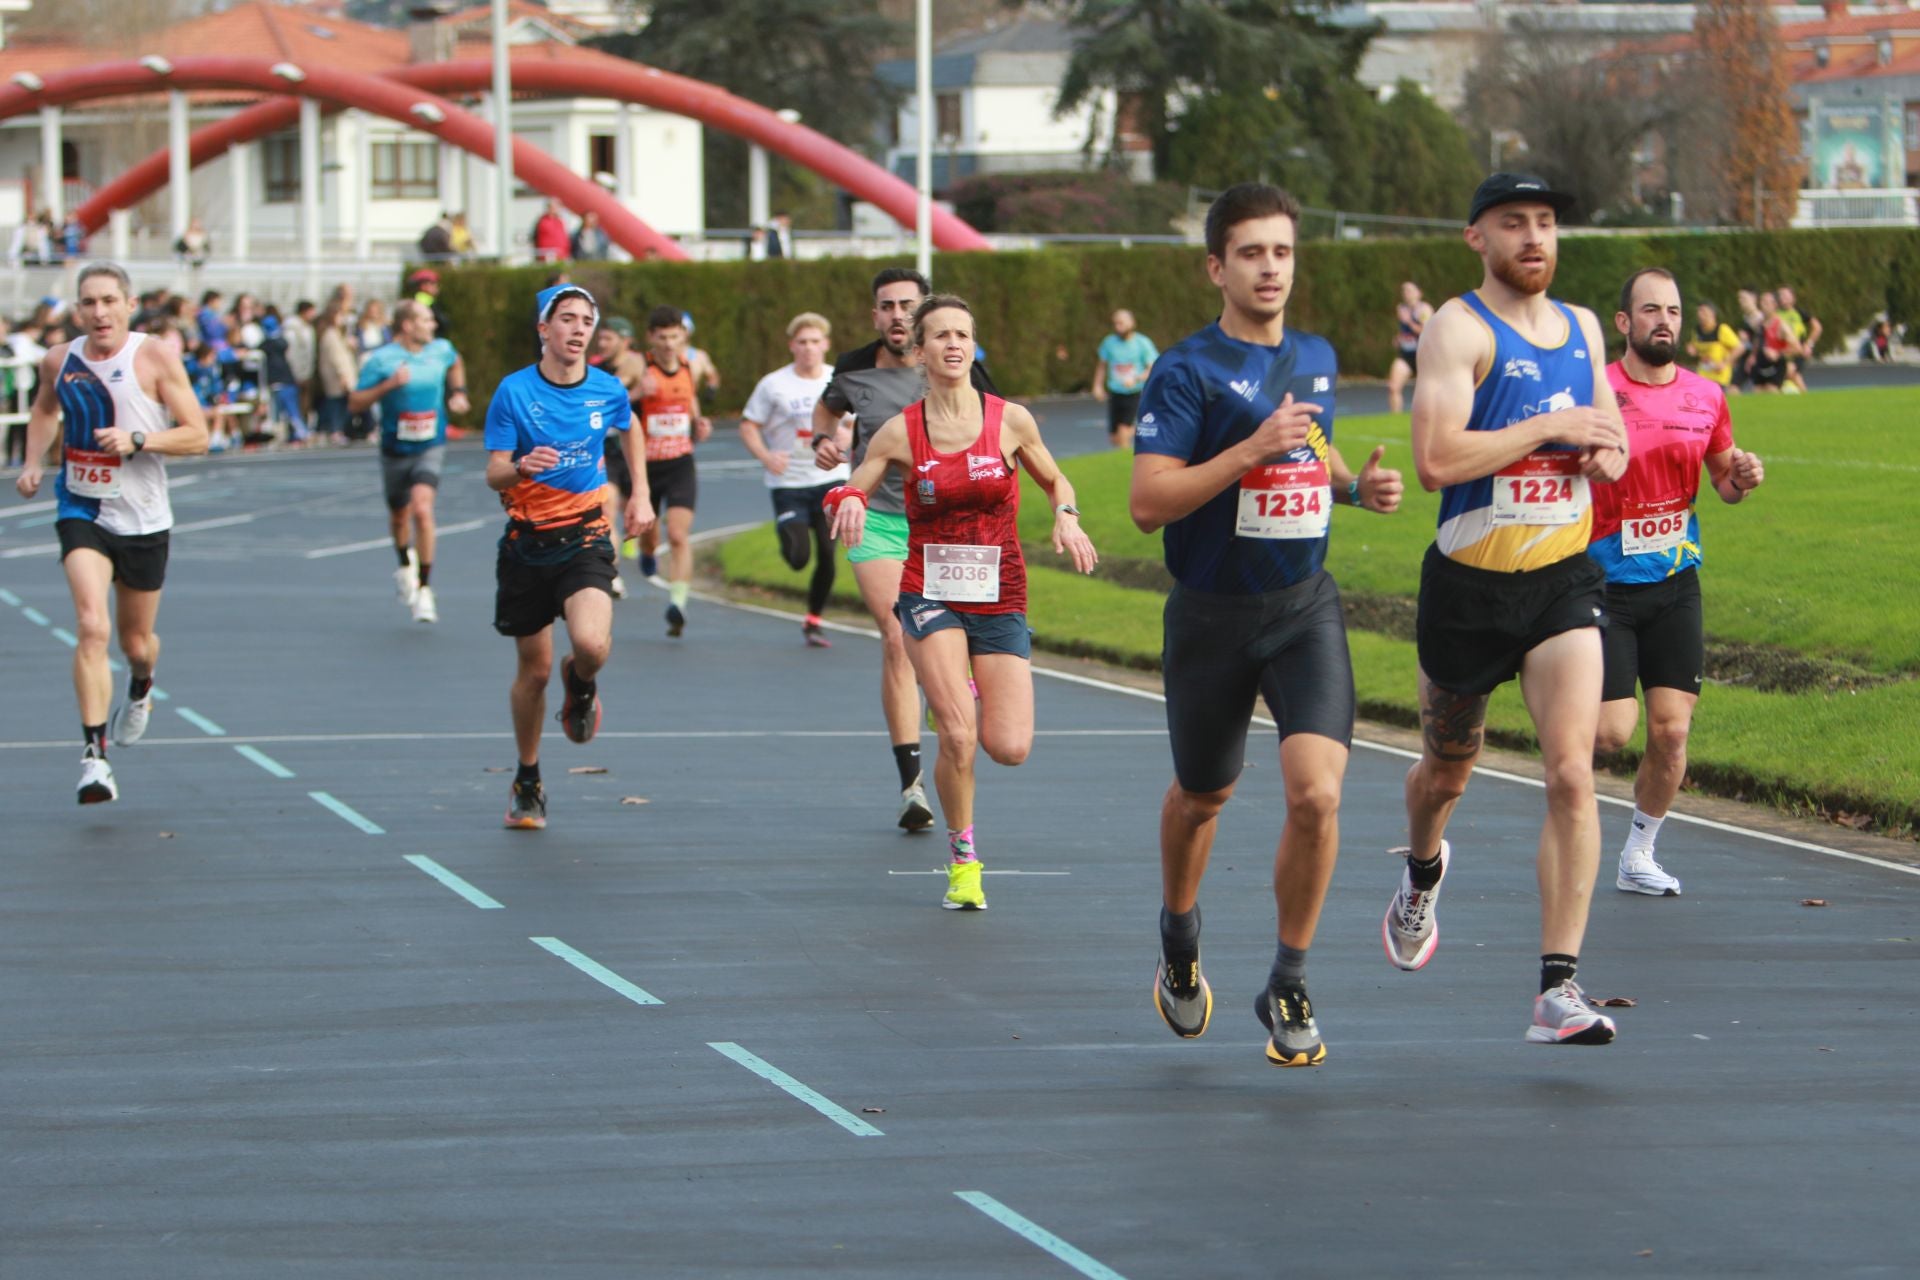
(1537, 511)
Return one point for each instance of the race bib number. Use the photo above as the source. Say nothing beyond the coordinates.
(1125, 375)
(1541, 488)
(1286, 500)
(1649, 527)
(669, 425)
(421, 424)
(93, 475)
(803, 443)
(966, 574)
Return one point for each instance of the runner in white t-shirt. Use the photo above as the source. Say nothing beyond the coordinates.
(777, 428)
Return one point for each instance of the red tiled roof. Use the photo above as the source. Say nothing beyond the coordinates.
(481, 16)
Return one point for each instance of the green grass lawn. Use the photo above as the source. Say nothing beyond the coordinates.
(1822, 560)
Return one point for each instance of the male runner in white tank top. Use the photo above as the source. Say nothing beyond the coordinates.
(119, 404)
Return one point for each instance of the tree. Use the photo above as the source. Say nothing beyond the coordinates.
(813, 56)
(1429, 168)
(1747, 109)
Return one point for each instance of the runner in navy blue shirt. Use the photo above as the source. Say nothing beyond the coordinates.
(1234, 458)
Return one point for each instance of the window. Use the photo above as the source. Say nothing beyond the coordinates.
(602, 155)
(1913, 128)
(946, 116)
(280, 168)
(405, 169)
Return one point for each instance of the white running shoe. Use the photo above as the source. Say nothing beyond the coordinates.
(406, 582)
(1561, 1015)
(128, 723)
(96, 779)
(1639, 873)
(423, 610)
(1410, 930)
(619, 588)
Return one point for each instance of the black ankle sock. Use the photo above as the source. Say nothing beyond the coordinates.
(1556, 969)
(138, 686)
(426, 572)
(404, 552)
(1180, 932)
(95, 736)
(1289, 968)
(907, 760)
(579, 688)
(527, 773)
(1425, 873)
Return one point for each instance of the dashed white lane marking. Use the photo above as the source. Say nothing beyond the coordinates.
(781, 1080)
(481, 900)
(595, 970)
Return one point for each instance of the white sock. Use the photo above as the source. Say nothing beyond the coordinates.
(1643, 832)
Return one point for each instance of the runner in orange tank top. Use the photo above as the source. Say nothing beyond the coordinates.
(964, 590)
(671, 424)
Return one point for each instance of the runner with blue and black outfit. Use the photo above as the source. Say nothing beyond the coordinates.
(1234, 458)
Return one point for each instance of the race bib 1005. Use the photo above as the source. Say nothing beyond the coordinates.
(1649, 527)
(1541, 488)
(1286, 500)
(962, 573)
(93, 475)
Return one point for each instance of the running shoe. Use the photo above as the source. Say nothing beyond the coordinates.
(423, 606)
(630, 548)
(649, 567)
(815, 635)
(96, 778)
(1181, 994)
(406, 582)
(1411, 930)
(578, 720)
(676, 620)
(1293, 1039)
(128, 723)
(527, 810)
(963, 887)
(1561, 1015)
(619, 587)
(915, 813)
(1639, 873)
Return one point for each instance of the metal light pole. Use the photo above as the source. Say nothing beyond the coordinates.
(502, 134)
(923, 161)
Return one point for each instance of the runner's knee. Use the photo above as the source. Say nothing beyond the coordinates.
(795, 543)
(1667, 737)
(1007, 751)
(1197, 807)
(1439, 782)
(1569, 783)
(1313, 802)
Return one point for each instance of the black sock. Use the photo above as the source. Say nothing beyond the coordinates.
(582, 689)
(1556, 969)
(404, 551)
(426, 572)
(1289, 968)
(1425, 873)
(138, 686)
(95, 736)
(527, 773)
(1180, 933)
(907, 760)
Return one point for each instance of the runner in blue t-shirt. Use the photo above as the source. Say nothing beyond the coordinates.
(415, 379)
(1126, 355)
(1234, 458)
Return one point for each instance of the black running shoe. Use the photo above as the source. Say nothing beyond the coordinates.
(676, 620)
(1181, 994)
(1293, 1039)
(579, 718)
(527, 810)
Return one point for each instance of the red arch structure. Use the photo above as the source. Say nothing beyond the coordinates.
(646, 86)
(416, 108)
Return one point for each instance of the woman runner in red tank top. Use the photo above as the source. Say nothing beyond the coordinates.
(963, 595)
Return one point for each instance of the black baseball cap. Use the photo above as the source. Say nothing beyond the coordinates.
(1516, 188)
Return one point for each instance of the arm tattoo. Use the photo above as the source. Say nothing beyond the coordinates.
(1452, 724)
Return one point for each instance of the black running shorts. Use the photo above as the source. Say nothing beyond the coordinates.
(799, 515)
(672, 483)
(1123, 409)
(529, 596)
(139, 559)
(619, 474)
(1288, 647)
(1655, 635)
(1476, 626)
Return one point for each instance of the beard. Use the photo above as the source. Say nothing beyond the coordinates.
(1522, 278)
(899, 352)
(1657, 352)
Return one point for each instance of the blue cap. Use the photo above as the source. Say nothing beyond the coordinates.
(550, 297)
(269, 325)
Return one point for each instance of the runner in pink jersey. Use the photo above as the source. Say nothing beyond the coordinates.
(1646, 536)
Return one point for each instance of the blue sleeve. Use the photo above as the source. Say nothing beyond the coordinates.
(373, 371)
(1107, 345)
(1326, 398)
(1153, 352)
(1171, 412)
(501, 431)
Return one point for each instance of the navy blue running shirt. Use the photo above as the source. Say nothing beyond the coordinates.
(1208, 394)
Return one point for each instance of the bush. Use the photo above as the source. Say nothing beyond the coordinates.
(1093, 202)
(1042, 314)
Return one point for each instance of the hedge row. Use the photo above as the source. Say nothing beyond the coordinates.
(1042, 314)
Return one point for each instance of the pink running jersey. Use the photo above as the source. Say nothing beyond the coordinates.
(1644, 525)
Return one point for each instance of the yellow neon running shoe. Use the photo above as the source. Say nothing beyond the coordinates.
(963, 887)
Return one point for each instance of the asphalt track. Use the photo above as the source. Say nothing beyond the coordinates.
(297, 1005)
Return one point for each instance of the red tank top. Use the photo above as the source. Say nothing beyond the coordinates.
(963, 526)
(666, 416)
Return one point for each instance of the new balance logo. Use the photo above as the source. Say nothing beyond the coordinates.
(1322, 384)
(1247, 390)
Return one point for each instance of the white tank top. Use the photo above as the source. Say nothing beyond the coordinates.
(123, 495)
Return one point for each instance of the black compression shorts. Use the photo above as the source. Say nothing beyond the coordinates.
(1655, 635)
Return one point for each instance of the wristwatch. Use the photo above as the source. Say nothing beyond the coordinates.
(139, 441)
(1068, 508)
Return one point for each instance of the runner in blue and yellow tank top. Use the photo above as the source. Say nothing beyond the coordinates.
(1513, 422)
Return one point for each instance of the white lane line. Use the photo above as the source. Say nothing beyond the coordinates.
(500, 735)
(1035, 1234)
(370, 544)
(595, 970)
(265, 761)
(348, 812)
(773, 1075)
(10, 598)
(66, 637)
(481, 900)
(200, 722)
(985, 871)
(725, 530)
(31, 508)
(1149, 695)
(219, 522)
(36, 617)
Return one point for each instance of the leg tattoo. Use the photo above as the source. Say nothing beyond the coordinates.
(1453, 724)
